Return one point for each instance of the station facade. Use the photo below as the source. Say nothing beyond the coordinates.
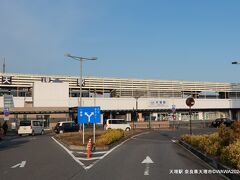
(54, 98)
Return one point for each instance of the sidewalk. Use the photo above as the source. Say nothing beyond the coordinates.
(9, 135)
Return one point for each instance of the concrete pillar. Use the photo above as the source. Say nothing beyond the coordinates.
(230, 114)
(101, 118)
(128, 116)
(155, 115)
(140, 118)
(179, 116)
(200, 115)
(238, 115)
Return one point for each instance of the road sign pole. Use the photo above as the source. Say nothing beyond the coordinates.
(83, 134)
(190, 120)
(94, 132)
(190, 102)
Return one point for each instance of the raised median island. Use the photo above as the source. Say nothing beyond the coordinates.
(104, 139)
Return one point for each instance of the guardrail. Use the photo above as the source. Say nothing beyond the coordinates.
(152, 125)
(170, 124)
(195, 123)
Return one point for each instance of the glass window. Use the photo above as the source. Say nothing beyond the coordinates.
(25, 123)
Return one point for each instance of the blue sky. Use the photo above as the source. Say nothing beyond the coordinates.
(144, 39)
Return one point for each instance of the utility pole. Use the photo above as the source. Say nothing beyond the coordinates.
(4, 66)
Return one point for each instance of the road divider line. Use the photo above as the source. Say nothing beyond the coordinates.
(87, 159)
(139, 135)
(70, 153)
(77, 159)
(100, 152)
(79, 152)
(111, 150)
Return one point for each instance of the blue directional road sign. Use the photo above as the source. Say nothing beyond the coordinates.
(6, 112)
(88, 115)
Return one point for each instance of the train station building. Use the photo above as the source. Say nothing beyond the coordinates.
(54, 98)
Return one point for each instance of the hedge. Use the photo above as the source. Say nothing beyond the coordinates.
(110, 136)
(224, 144)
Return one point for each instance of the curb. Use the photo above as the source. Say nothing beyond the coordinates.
(96, 148)
(210, 161)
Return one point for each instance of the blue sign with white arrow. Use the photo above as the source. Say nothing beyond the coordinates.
(88, 115)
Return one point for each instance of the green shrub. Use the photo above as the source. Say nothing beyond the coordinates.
(210, 144)
(225, 135)
(224, 144)
(110, 136)
(194, 140)
(205, 143)
(236, 130)
(231, 155)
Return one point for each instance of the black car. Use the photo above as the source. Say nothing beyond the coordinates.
(217, 122)
(66, 126)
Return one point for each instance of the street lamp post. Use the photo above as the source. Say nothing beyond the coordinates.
(235, 62)
(81, 59)
(190, 102)
(136, 114)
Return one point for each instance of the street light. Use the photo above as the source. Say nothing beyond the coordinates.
(235, 62)
(136, 114)
(81, 59)
(136, 96)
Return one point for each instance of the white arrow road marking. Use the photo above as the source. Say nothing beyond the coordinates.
(21, 165)
(89, 115)
(147, 161)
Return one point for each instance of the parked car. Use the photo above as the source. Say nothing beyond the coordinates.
(31, 127)
(117, 124)
(66, 126)
(217, 122)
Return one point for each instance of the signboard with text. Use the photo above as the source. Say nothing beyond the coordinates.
(158, 103)
(87, 115)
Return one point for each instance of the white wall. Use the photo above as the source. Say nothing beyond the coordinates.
(50, 97)
(50, 94)
(155, 103)
(18, 101)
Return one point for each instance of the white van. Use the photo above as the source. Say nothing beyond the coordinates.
(117, 124)
(31, 127)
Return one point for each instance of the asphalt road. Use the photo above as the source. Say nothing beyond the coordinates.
(46, 160)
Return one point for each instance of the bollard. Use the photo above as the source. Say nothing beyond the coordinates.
(89, 147)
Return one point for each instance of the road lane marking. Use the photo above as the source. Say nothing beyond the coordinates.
(111, 150)
(77, 159)
(21, 164)
(147, 161)
(146, 171)
(99, 152)
(70, 153)
(87, 159)
(133, 137)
